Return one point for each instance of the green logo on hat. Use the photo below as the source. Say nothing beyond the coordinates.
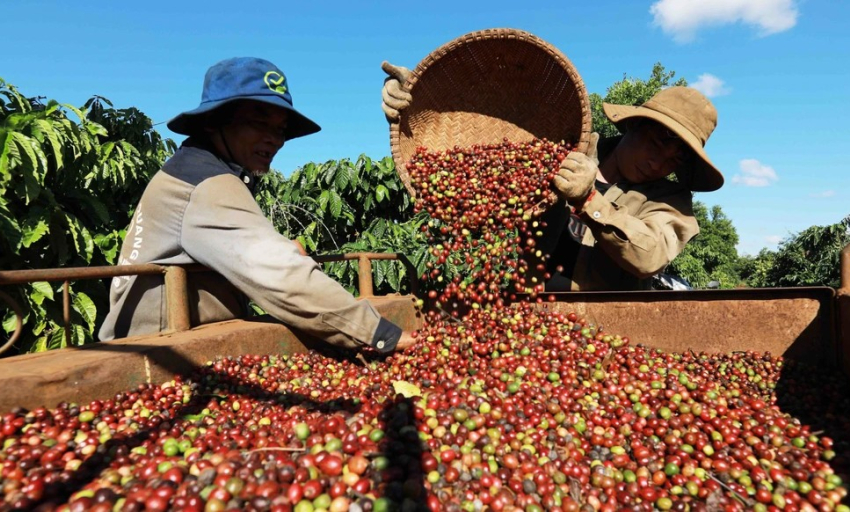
(275, 82)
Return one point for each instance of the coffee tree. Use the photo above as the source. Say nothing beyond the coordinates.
(808, 258)
(712, 255)
(630, 91)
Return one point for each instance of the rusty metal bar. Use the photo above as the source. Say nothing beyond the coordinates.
(364, 276)
(842, 312)
(411, 273)
(176, 284)
(411, 270)
(845, 271)
(177, 299)
(356, 256)
(66, 312)
(19, 321)
(75, 273)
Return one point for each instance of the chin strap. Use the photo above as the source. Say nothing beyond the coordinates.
(226, 145)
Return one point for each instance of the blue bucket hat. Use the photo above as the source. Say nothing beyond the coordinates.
(245, 78)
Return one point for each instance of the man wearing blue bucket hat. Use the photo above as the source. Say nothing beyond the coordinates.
(200, 209)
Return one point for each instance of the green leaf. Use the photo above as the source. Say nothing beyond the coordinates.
(30, 167)
(106, 150)
(335, 203)
(83, 242)
(10, 321)
(98, 207)
(258, 311)
(324, 198)
(9, 156)
(86, 308)
(109, 246)
(310, 172)
(43, 288)
(338, 269)
(392, 275)
(39, 326)
(353, 174)
(342, 178)
(380, 272)
(79, 336)
(56, 338)
(378, 228)
(33, 230)
(9, 228)
(50, 133)
(330, 172)
(96, 129)
(88, 243)
(79, 113)
(40, 344)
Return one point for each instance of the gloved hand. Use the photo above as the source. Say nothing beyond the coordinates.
(394, 96)
(577, 174)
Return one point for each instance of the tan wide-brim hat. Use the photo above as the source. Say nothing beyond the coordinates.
(688, 114)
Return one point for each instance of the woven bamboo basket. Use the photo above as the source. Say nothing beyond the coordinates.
(487, 86)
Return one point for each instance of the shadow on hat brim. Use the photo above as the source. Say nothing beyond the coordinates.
(706, 177)
(298, 125)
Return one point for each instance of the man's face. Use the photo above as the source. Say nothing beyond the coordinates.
(254, 134)
(649, 152)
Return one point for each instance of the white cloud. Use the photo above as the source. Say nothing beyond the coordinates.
(682, 19)
(825, 193)
(710, 85)
(773, 239)
(755, 174)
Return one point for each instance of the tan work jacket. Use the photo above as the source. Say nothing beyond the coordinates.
(634, 231)
(198, 209)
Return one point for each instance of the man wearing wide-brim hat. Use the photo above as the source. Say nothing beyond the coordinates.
(620, 221)
(200, 209)
(623, 221)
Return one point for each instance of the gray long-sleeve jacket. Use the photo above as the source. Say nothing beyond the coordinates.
(197, 209)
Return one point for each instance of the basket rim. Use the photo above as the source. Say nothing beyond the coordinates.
(481, 35)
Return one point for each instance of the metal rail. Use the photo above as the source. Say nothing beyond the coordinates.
(176, 285)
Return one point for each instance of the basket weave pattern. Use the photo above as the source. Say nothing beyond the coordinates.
(487, 86)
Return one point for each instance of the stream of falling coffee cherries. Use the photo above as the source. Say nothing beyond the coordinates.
(503, 404)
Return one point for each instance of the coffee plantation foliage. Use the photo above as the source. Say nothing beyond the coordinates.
(342, 206)
(808, 258)
(69, 180)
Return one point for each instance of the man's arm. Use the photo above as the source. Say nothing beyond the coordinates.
(644, 243)
(225, 230)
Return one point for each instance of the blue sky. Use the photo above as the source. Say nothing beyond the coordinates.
(777, 70)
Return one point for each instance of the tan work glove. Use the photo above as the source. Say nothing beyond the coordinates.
(577, 174)
(394, 96)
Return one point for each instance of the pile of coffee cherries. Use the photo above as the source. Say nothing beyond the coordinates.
(482, 202)
(503, 403)
(518, 408)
